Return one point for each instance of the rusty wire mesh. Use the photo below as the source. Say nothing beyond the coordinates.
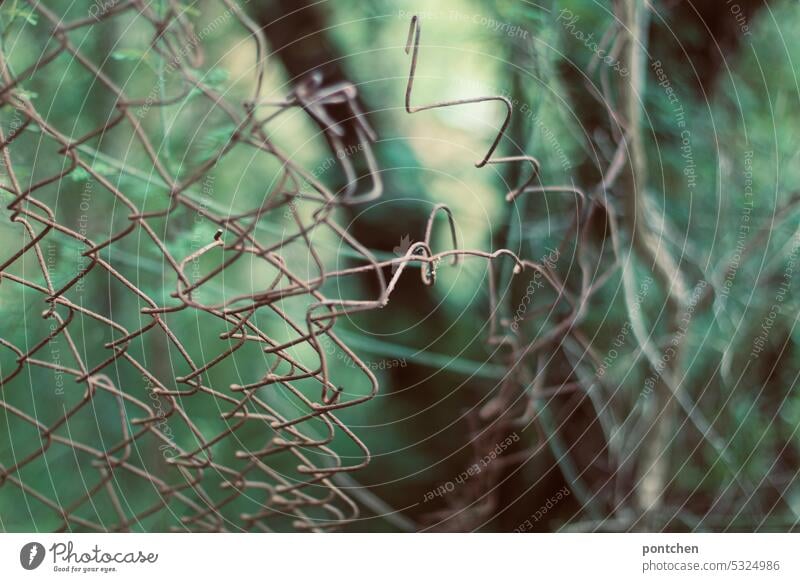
(256, 465)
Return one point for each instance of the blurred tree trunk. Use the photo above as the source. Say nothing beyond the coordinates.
(653, 462)
(693, 40)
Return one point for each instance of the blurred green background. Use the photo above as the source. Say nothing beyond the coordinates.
(737, 87)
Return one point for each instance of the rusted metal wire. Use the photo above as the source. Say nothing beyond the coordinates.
(279, 462)
(414, 33)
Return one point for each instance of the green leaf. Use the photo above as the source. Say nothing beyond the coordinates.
(28, 15)
(132, 55)
(216, 78)
(215, 140)
(79, 175)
